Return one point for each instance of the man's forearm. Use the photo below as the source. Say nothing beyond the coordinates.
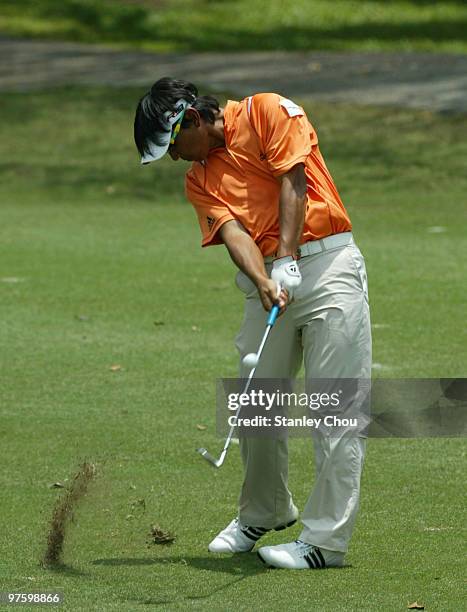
(291, 211)
(245, 254)
(248, 258)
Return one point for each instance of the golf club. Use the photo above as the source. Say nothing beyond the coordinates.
(250, 359)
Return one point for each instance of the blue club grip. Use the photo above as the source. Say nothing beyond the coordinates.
(273, 315)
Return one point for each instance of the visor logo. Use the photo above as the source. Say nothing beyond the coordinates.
(176, 111)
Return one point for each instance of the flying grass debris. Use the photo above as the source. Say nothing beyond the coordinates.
(159, 536)
(63, 513)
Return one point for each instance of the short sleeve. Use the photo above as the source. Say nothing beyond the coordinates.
(212, 213)
(283, 129)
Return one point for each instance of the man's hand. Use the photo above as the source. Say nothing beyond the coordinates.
(271, 293)
(286, 274)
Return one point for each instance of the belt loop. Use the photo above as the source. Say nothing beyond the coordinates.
(321, 244)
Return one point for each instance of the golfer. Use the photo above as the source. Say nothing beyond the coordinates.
(260, 186)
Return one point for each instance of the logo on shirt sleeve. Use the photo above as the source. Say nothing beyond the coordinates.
(292, 109)
(211, 222)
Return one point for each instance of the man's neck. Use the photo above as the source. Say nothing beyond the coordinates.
(216, 131)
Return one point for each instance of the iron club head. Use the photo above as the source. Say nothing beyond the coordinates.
(206, 455)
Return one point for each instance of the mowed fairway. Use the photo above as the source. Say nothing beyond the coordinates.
(100, 266)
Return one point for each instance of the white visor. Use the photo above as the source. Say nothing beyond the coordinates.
(156, 151)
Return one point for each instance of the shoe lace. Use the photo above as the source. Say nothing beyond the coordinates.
(303, 547)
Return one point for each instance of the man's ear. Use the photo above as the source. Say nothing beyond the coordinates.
(192, 115)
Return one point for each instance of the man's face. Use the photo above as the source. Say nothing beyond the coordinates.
(191, 143)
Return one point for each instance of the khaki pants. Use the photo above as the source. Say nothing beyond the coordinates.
(328, 327)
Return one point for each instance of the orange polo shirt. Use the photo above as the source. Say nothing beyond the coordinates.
(266, 135)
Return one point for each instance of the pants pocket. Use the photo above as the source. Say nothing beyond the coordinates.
(359, 266)
(245, 285)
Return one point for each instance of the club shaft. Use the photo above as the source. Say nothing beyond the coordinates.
(204, 453)
(245, 390)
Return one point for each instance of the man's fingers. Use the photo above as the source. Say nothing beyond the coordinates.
(267, 302)
(271, 294)
(282, 301)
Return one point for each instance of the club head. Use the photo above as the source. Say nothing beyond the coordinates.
(215, 462)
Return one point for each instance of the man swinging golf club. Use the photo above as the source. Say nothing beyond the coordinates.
(260, 186)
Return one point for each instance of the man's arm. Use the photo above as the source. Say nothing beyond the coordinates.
(248, 258)
(291, 210)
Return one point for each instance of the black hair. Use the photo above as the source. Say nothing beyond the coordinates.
(163, 96)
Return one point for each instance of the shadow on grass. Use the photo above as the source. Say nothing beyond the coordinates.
(64, 570)
(241, 566)
(236, 564)
(213, 591)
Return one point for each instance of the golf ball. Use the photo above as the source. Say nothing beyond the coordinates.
(250, 360)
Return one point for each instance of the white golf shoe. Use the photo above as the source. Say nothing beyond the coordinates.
(236, 538)
(300, 555)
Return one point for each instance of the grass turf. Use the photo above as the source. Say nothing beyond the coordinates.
(100, 266)
(214, 25)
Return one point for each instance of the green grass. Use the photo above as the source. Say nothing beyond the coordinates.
(239, 25)
(95, 250)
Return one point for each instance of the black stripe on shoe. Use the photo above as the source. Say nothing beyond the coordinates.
(250, 534)
(316, 559)
(282, 527)
(320, 557)
(258, 530)
(310, 561)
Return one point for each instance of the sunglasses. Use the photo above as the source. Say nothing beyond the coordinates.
(176, 129)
